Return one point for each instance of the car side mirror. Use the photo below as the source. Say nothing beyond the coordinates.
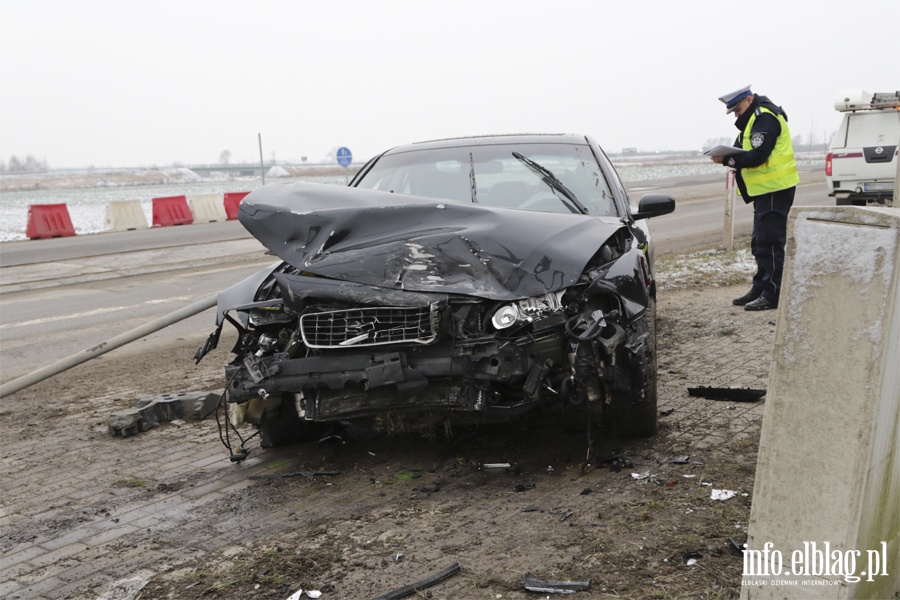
(654, 205)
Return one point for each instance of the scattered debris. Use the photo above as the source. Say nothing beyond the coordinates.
(309, 594)
(644, 475)
(666, 412)
(681, 460)
(566, 515)
(412, 588)
(722, 494)
(530, 509)
(733, 394)
(524, 487)
(149, 412)
(616, 462)
(586, 491)
(496, 465)
(332, 438)
(124, 589)
(399, 556)
(533, 584)
(295, 474)
(735, 546)
(690, 558)
(314, 594)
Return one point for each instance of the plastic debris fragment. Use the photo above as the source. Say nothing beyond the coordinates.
(533, 584)
(722, 494)
(733, 394)
(124, 589)
(429, 581)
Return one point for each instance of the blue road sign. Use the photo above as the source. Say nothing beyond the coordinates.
(344, 156)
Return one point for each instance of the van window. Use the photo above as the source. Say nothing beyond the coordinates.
(873, 129)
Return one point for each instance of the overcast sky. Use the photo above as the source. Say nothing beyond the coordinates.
(96, 83)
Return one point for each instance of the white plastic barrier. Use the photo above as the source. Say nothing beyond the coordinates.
(207, 208)
(825, 519)
(124, 215)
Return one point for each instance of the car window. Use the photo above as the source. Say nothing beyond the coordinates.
(501, 179)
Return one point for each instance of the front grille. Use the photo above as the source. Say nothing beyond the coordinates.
(369, 326)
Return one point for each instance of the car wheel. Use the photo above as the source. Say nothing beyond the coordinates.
(284, 426)
(633, 414)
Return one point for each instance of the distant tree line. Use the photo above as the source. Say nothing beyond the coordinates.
(19, 165)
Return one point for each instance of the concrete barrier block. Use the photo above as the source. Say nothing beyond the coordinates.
(825, 518)
(125, 215)
(207, 208)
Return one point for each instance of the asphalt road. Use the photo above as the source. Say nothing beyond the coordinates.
(63, 295)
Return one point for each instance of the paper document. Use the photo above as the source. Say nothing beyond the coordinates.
(724, 151)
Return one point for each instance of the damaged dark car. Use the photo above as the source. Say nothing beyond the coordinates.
(462, 280)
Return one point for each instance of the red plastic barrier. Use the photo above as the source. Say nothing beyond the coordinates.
(171, 210)
(48, 221)
(232, 202)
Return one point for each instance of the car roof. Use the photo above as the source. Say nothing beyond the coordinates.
(488, 140)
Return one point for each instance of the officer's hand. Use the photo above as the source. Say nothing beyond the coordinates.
(717, 159)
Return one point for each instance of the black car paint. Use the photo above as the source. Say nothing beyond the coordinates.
(419, 244)
(358, 247)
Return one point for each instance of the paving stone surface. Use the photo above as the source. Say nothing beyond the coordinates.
(82, 508)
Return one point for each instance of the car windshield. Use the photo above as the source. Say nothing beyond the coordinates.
(493, 175)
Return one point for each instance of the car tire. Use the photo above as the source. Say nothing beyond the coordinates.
(284, 426)
(633, 414)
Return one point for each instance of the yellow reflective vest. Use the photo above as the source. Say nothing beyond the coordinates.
(777, 173)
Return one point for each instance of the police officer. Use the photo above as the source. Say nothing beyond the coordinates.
(767, 176)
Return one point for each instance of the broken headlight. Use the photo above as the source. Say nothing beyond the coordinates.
(527, 310)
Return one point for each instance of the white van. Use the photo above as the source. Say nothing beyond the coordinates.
(861, 165)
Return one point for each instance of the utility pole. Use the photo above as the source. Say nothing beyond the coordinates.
(262, 167)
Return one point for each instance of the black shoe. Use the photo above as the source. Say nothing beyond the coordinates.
(748, 297)
(761, 303)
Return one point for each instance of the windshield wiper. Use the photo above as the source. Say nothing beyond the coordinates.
(472, 179)
(550, 179)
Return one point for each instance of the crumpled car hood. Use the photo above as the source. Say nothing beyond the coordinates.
(422, 244)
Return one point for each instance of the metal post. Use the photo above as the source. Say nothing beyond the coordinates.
(262, 168)
(64, 364)
(896, 197)
(730, 193)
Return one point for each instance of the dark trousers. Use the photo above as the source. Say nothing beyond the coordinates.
(770, 213)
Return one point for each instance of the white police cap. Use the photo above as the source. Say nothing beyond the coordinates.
(731, 99)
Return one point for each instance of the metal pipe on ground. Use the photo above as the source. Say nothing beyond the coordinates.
(64, 364)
